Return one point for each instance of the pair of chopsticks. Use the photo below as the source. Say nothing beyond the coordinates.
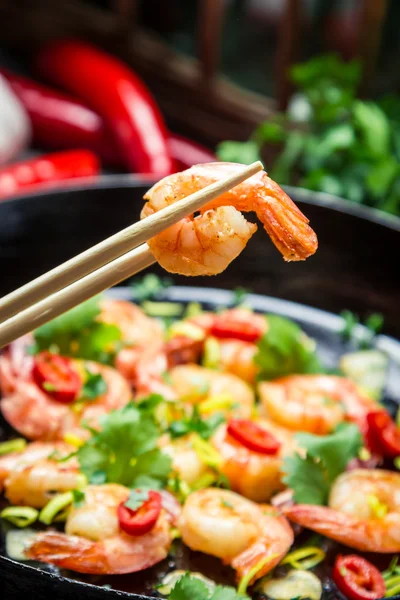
(100, 267)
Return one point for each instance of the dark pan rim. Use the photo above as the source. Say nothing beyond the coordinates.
(305, 314)
(127, 181)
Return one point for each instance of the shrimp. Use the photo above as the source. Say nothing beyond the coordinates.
(185, 460)
(93, 542)
(206, 244)
(136, 327)
(256, 476)
(238, 531)
(31, 477)
(314, 403)
(193, 384)
(37, 416)
(143, 360)
(351, 517)
(237, 357)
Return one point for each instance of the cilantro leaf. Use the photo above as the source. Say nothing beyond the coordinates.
(149, 287)
(189, 587)
(205, 427)
(125, 450)
(94, 386)
(327, 456)
(285, 349)
(136, 499)
(78, 498)
(77, 333)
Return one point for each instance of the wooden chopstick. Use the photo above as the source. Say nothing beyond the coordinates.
(116, 245)
(112, 272)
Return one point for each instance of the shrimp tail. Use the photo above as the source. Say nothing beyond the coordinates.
(356, 533)
(286, 225)
(69, 552)
(267, 552)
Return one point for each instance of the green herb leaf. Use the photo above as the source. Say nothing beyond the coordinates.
(374, 127)
(327, 456)
(125, 450)
(285, 349)
(351, 320)
(192, 588)
(95, 385)
(239, 152)
(78, 498)
(205, 427)
(150, 287)
(136, 499)
(77, 333)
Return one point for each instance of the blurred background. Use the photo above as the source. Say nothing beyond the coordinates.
(310, 86)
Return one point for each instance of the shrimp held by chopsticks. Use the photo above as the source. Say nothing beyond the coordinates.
(206, 244)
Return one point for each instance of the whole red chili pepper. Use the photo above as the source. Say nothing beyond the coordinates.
(50, 168)
(118, 95)
(60, 121)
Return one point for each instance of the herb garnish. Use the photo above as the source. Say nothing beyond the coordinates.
(79, 334)
(326, 457)
(285, 349)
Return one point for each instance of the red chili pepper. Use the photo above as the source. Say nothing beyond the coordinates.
(50, 168)
(383, 436)
(253, 436)
(56, 376)
(357, 579)
(229, 327)
(118, 95)
(142, 520)
(60, 121)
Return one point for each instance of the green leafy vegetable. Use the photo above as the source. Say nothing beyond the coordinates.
(125, 450)
(94, 386)
(136, 499)
(205, 427)
(78, 498)
(285, 349)
(345, 146)
(77, 333)
(364, 339)
(240, 294)
(192, 588)
(149, 287)
(327, 456)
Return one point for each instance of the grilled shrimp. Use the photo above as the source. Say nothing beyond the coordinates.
(256, 476)
(185, 460)
(37, 416)
(363, 512)
(206, 244)
(93, 542)
(314, 403)
(143, 360)
(238, 531)
(194, 384)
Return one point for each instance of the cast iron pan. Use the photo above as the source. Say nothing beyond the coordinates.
(355, 268)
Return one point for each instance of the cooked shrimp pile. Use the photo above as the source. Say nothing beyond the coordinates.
(160, 430)
(206, 244)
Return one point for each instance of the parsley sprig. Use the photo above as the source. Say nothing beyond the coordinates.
(285, 349)
(79, 334)
(192, 588)
(125, 450)
(312, 476)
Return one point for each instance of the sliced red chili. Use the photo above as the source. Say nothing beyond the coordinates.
(357, 579)
(383, 436)
(253, 436)
(56, 376)
(229, 327)
(140, 521)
